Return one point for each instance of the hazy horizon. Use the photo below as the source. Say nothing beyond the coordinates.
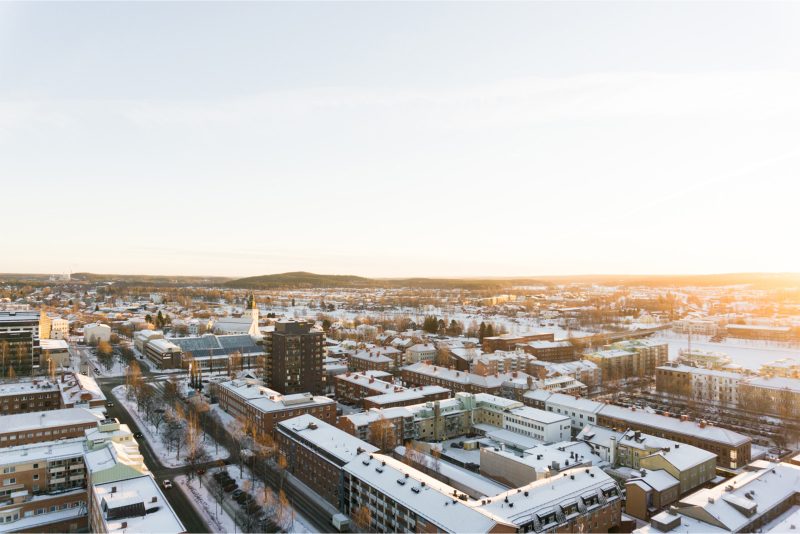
(445, 140)
(543, 276)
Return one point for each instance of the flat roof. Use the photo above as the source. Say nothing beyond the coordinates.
(160, 516)
(328, 438)
(47, 419)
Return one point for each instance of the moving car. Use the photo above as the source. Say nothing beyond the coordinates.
(167, 484)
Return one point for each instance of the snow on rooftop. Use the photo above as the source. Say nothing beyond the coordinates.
(436, 501)
(708, 432)
(28, 386)
(659, 480)
(681, 455)
(740, 500)
(37, 420)
(51, 450)
(543, 496)
(327, 437)
(159, 517)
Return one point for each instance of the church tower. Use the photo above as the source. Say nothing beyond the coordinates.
(251, 312)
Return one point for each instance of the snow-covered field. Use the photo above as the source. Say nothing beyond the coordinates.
(750, 354)
(166, 457)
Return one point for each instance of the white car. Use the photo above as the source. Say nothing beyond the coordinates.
(167, 484)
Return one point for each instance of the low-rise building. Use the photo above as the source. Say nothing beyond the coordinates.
(510, 341)
(36, 427)
(551, 351)
(690, 466)
(406, 397)
(748, 502)
(650, 492)
(352, 387)
(543, 461)
(757, 331)
(421, 352)
(24, 396)
(385, 359)
(55, 351)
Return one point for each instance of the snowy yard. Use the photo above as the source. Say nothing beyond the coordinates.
(166, 457)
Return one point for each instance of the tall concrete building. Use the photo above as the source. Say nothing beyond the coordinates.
(294, 358)
(19, 342)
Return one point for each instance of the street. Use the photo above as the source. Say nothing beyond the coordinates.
(180, 503)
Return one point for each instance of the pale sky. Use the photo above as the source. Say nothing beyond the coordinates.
(400, 139)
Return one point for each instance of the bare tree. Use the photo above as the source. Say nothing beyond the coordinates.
(362, 518)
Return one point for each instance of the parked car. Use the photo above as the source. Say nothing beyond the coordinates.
(167, 484)
(236, 493)
(109, 405)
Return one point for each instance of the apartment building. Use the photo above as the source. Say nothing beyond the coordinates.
(19, 342)
(402, 499)
(775, 396)
(510, 341)
(352, 387)
(43, 487)
(423, 374)
(317, 451)
(421, 352)
(690, 466)
(37, 427)
(28, 396)
(295, 352)
(465, 413)
(731, 448)
(262, 408)
(551, 351)
(700, 384)
(376, 359)
(406, 397)
(630, 359)
(53, 327)
(748, 502)
(69, 390)
(755, 331)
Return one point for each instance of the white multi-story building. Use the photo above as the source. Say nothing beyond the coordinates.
(96, 332)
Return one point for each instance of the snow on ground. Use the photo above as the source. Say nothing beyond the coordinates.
(166, 457)
(205, 504)
(750, 354)
(118, 369)
(295, 522)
